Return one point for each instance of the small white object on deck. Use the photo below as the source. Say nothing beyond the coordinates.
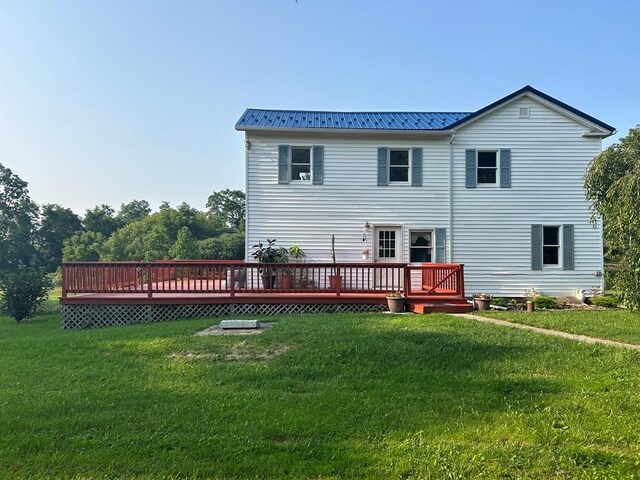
(239, 324)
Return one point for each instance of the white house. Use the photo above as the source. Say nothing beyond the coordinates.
(499, 190)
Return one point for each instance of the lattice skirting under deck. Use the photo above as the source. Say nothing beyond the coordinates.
(93, 316)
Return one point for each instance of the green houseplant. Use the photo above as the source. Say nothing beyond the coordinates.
(267, 254)
(297, 255)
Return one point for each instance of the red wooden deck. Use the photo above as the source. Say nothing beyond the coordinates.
(428, 287)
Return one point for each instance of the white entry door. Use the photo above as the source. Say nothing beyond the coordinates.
(388, 245)
(388, 249)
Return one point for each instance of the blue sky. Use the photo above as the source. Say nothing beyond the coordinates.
(109, 101)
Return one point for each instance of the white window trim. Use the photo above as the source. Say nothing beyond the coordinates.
(297, 180)
(409, 166)
(497, 182)
(433, 243)
(552, 266)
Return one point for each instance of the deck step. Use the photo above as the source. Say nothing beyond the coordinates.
(455, 306)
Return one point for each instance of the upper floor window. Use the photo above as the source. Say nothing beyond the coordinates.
(398, 166)
(300, 163)
(487, 167)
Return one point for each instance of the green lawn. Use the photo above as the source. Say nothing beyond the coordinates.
(321, 396)
(619, 325)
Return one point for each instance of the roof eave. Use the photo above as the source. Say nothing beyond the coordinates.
(367, 131)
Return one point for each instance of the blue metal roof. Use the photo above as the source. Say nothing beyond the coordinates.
(256, 118)
(287, 119)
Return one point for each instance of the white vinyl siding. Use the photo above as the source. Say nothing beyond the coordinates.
(491, 231)
(549, 156)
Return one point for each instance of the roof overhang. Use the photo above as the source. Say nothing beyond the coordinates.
(350, 131)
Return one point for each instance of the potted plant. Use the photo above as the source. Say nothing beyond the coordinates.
(529, 295)
(482, 300)
(334, 279)
(267, 254)
(395, 301)
(286, 278)
(365, 253)
(297, 254)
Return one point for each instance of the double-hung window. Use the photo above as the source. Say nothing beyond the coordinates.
(300, 164)
(487, 167)
(551, 245)
(398, 165)
(421, 246)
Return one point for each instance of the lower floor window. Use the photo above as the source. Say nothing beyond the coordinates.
(421, 246)
(550, 245)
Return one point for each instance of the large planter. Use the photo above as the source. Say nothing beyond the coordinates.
(396, 304)
(286, 281)
(335, 281)
(483, 303)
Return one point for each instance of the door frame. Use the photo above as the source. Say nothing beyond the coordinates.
(399, 228)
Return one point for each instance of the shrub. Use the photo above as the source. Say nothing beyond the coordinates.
(545, 301)
(604, 301)
(500, 302)
(24, 292)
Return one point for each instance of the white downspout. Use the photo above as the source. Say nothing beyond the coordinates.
(450, 235)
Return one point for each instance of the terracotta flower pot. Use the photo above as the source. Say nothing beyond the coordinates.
(483, 303)
(334, 282)
(286, 282)
(396, 304)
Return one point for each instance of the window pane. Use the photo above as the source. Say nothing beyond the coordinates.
(399, 174)
(486, 175)
(551, 235)
(399, 157)
(300, 172)
(550, 255)
(420, 239)
(420, 254)
(301, 155)
(487, 159)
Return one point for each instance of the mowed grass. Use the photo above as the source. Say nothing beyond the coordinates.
(319, 396)
(618, 325)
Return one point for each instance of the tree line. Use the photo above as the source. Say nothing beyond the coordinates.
(36, 239)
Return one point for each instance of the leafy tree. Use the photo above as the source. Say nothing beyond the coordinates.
(612, 184)
(18, 218)
(57, 224)
(23, 292)
(133, 211)
(101, 219)
(228, 246)
(83, 247)
(229, 205)
(185, 247)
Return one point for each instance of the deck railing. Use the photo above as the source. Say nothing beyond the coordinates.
(237, 277)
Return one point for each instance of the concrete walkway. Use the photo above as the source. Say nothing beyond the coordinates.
(553, 333)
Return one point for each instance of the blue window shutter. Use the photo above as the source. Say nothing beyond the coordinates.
(383, 165)
(470, 169)
(505, 168)
(441, 240)
(568, 251)
(536, 247)
(416, 167)
(283, 163)
(318, 164)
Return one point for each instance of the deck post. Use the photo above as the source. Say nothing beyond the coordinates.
(461, 280)
(232, 279)
(149, 282)
(64, 280)
(407, 281)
